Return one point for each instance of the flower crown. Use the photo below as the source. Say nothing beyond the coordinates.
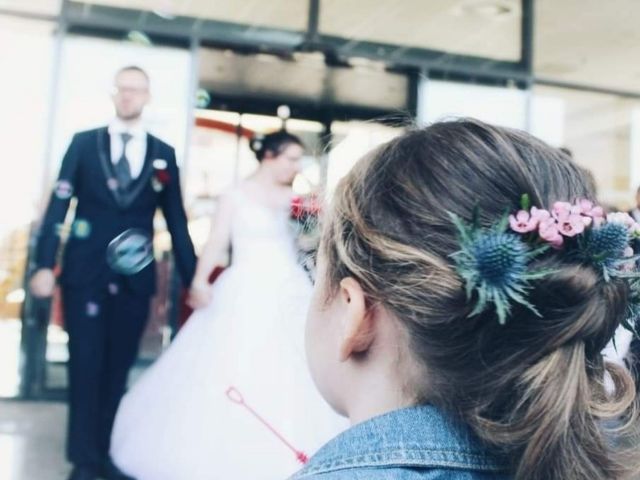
(494, 262)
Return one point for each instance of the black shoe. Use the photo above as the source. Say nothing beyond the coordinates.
(81, 473)
(111, 472)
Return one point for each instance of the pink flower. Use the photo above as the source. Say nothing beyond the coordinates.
(628, 252)
(571, 225)
(548, 231)
(587, 208)
(539, 214)
(523, 222)
(561, 209)
(597, 212)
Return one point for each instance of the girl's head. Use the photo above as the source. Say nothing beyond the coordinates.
(279, 153)
(390, 310)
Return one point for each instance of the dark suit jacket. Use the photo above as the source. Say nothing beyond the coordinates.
(107, 211)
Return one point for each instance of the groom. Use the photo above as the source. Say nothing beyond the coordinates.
(120, 175)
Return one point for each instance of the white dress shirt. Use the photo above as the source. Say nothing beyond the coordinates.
(136, 147)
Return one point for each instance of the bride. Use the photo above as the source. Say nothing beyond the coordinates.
(246, 333)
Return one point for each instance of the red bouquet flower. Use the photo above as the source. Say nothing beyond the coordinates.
(304, 219)
(305, 210)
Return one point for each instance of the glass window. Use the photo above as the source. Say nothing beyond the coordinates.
(588, 43)
(87, 69)
(350, 141)
(602, 132)
(479, 27)
(26, 49)
(439, 100)
(44, 7)
(220, 158)
(85, 83)
(285, 14)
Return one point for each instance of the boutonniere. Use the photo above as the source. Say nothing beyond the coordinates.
(161, 177)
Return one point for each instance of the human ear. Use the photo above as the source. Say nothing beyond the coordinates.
(357, 333)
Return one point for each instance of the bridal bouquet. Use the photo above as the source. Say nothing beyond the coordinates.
(304, 221)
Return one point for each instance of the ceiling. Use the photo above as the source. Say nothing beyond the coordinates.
(580, 41)
(588, 42)
(40, 7)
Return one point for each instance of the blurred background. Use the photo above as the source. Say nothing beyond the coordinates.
(345, 75)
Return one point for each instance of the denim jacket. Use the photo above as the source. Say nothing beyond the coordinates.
(417, 443)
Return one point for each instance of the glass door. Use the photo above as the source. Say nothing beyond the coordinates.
(82, 101)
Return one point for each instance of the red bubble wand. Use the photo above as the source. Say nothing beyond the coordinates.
(236, 397)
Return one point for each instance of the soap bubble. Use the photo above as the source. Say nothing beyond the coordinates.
(130, 252)
(112, 184)
(203, 98)
(63, 190)
(93, 309)
(113, 288)
(81, 228)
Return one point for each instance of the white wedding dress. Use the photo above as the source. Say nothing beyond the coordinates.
(177, 423)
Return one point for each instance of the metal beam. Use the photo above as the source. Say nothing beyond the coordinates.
(423, 58)
(233, 35)
(103, 18)
(313, 22)
(527, 26)
(549, 82)
(527, 35)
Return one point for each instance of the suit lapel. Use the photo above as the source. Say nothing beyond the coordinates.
(104, 153)
(142, 181)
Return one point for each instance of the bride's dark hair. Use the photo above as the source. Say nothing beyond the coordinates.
(275, 143)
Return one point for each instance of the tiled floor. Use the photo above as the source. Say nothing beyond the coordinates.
(32, 441)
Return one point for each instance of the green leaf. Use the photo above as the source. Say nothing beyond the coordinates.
(525, 202)
(463, 230)
(502, 310)
(502, 225)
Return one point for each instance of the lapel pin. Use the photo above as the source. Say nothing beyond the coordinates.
(63, 189)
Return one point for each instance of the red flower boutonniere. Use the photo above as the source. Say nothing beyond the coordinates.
(161, 177)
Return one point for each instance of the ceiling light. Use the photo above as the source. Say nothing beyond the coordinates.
(164, 14)
(494, 9)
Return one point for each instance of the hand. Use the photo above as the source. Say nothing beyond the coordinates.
(42, 283)
(199, 296)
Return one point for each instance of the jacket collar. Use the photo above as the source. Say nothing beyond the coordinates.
(411, 437)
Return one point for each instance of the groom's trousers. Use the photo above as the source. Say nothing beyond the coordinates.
(105, 326)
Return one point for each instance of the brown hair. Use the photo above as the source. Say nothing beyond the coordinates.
(533, 388)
